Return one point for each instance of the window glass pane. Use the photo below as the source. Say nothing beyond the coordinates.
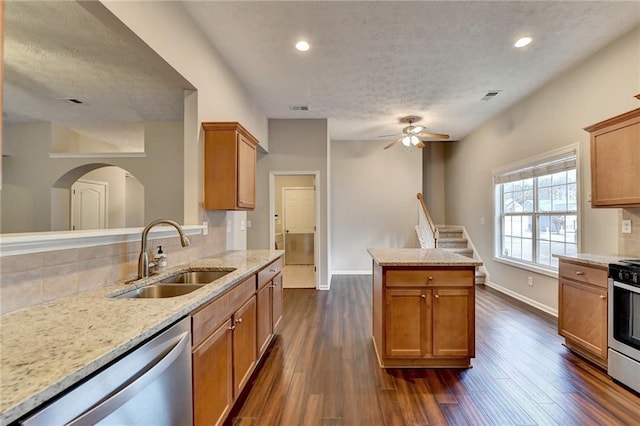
(544, 199)
(506, 246)
(572, 197)
(527, 184)
(571, 229)
(544, 181)
(516, 248)
(527, 249)
(559, 198)
(543, 254)
(571, 176)
(507, 204)
(527, 202)
(558, 178)
(508, 187)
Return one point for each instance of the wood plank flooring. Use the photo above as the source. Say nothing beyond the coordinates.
(322, 370)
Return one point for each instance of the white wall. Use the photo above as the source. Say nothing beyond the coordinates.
(598, 88)
(294, 146)
(373, 201)
(433, 175)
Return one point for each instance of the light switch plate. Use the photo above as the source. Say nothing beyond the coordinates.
(626, 226)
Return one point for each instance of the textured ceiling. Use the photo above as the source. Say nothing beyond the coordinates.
(373, 62)
(59, 49)
(370, 62)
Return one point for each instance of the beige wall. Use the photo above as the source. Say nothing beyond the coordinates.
(600, 87)
(433, 175)
(294, 146)
(373, 201)
(27, 196)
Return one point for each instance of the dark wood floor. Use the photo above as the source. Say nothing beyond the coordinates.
(322, 369)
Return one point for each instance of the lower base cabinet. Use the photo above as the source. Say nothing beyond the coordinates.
(229, 335)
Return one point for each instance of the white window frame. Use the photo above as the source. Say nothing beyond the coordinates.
(521, 169)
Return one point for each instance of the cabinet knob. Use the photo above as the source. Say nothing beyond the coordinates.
(437, 296)
(233, 327)
(602, 296)
(424, 296)
(430, 278)
(272, 270)
(239, 321)
(579, 273)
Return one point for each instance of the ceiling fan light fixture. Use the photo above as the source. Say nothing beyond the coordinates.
(406, 141)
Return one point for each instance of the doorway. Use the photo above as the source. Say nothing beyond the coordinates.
(294, 212)
(89, 205)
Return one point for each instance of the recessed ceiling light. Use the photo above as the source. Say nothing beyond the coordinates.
(523, 41)
(302, 46)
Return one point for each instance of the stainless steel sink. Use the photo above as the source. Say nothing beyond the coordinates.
(160, 291)
(196, 277)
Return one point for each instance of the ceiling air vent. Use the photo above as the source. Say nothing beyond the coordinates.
(72, 100)
(298, 108)
(491, 94)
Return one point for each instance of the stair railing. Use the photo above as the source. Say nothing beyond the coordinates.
(426, 230)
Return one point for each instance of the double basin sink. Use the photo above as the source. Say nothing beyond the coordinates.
(176, 285)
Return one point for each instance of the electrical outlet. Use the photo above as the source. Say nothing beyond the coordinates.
(626, 226)
(248, 224)
(530, 281)
(205, 228)
(243, 225)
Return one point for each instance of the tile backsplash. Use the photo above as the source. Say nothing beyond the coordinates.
(629, 244)
(31, 279)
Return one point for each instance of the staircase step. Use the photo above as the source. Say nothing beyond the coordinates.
(452, 243)
(462, 251)
(450, 233)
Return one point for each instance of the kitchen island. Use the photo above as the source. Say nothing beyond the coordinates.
(48, 348)
(423, 308)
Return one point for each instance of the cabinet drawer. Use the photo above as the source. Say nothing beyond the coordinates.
(209, 317)
(587, 274)
(269, 271)
(430, 277)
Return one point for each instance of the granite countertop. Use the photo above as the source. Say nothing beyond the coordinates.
(591, 259)
(420, 257)
(47, 348)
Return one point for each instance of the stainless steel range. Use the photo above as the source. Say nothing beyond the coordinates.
(624, 322)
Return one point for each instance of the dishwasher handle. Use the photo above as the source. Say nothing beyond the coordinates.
(146, 375)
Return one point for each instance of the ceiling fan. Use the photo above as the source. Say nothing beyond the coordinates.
(412, 135)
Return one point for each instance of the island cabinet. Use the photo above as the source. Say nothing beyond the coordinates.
(615, 161)
(269, 300)
(224, 351)
(229, 167)
(424, 316)
(582, 309)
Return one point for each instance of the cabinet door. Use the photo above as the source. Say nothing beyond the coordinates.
(244, 344)
(408, 323)
(582, 316)
(264, 322)
(212, 381)
(453, 325)
(246, 173)
(277, 302)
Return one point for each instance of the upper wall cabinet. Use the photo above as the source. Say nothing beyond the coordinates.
(229, 167)
(615, 161)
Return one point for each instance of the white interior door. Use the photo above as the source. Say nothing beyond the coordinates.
(299, 210)
(299, 225)
(89, 205)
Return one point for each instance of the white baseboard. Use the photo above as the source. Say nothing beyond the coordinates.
(524, 299)
(365, 272)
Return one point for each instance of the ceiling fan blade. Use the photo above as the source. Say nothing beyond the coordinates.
(388, 136)
(421, 144)
(433, 135)
(392, 143)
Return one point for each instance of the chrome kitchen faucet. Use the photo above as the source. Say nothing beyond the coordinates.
(143, 259)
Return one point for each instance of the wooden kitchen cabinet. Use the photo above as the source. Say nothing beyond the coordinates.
(615, 161)
(424, 316)
(224, 351)
(245, 355)
(269, 301)
(582, 309)
(229, 167)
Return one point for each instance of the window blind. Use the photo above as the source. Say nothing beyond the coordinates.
(561, 162)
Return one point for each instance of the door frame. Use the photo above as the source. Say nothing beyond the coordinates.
(272, 213)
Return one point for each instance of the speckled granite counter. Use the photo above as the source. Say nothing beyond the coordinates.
(420, 257)
(590, 259)
(48, 348)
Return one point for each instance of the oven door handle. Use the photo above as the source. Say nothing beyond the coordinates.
(627, 287)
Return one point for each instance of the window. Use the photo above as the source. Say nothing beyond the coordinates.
(537, 210)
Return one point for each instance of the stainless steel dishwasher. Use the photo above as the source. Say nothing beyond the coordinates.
(149, 386)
